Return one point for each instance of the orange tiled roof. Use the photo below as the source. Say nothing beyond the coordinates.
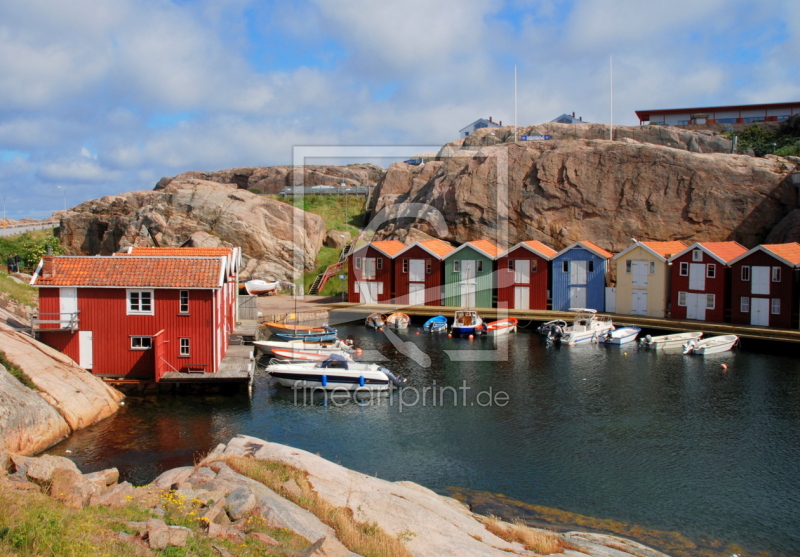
(594, 247)
(727, 251)
(182, 252)
(132, 272)
(389, 247)
(439, 247)
(486, 246)
(665, 249)
(540, 247)
(790, 252)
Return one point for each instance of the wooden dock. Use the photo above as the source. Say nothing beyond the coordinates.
(346, 311)
(237, 366)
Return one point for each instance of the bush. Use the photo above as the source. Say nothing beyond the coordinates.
(30, 246)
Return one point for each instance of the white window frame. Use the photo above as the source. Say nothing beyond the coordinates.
(775, 306)
(183, 304)
(379, 263)
(565, 266)
(744, 304)
(589, 266)
(697, 255)
(479, 266)
(628, 265)
(652, 267)
(534, 265)
(682, 299)
(428, 267)
(683, 269)
(137, 293)
(358, 262)
(405, 266)
(457, 266)
(184, 348)
(745, 273)
(510, 264)
(776, 274)
(711, 270)
(142, 342)
(711, 301)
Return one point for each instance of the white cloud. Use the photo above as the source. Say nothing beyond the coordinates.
(76, 171)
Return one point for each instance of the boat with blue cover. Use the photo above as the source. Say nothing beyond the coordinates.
(436, 324)
(326, 335)
(335, 373)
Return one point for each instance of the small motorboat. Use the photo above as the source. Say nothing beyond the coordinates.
(620, 335)
(398, 320)
(545, 328)
(376, 320)
(587, 327)
(675, 340)
(335, 373)
(436, 324)
(261, 287)
(275, 328)
(466, 322)
(501, 327)
(327, 335)
(711, 345)
(308, 356)
(266, 347)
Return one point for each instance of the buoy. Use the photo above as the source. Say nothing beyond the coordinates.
(624, 353)
(361, 381)
(358, 351)
(417, 332)
(324, 380)
(724, 367)
(449, 334)
(470, 336)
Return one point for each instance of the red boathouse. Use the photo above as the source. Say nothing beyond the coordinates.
(136, 317)
(419, 273)
(370, 276)
(522, 276)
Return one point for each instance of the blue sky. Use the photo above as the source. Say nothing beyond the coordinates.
(101, 97)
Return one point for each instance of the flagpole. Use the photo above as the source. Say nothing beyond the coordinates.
(611, 80)
(515, 103)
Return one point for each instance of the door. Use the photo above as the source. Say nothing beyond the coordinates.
(577, 272)
(639, 302)
(468, 294)
(759, 310)
(416, 270)
(416, 294)
(577, 294)
(85, 350)
(760, 280)
(640, 270)
(68, 305)
(369, 291)
(697, 276)
(696, 306)
(522, 297)
(522, 273)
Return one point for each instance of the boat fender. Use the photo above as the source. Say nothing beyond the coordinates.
(324, 380)
(361, 381)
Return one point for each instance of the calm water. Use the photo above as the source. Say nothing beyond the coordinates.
(660, 440)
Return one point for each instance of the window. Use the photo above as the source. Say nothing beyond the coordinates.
(744, 305)
(776, 274)
(379, 263)
(711, 270)
(358, 262)
(184, 347)
(746, 273)
(534, 265)
(405, 266)
(697, 255)
(710, 299)
(428, 267)
(684, 269)
(141, 343)
(456, 266)
(628, 266)
(140, 302)
(590, 266)
(565, 266)
(652, 267)
(776, 306)
(480, 265)
(510, 264)
(682, 299)
(184, 305)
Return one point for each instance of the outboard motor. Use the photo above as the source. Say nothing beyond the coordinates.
(554, 336)
(396, 381)
(646, 341)
(689, 346)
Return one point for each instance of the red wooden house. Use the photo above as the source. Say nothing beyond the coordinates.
(701, 280)
(136, 317)
(764, 285)
(522, 276)
(419, 273)
(370, 276)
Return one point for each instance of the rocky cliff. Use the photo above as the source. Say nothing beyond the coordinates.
(651, 183)
(273, 179)
(277, 240)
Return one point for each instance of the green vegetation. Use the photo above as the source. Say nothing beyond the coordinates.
(22, 293)
(332, 209)
(763, 140)
(17, 372)
(30, 246)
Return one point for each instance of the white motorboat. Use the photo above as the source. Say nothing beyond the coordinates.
(267, 347)
(620, 335)
(258, 287)
(586, 327)
(398, 320)
(675, 340)
(308, 356)
(545, 328)
(335, 373)
(711, 345)
(466, 322)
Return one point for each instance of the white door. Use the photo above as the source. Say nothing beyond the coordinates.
(696, 306)
(416, 294)
(416, 270)
(85, 350)
(522, 272)
(759, 310)
(760, 280)
(697, 276)
(577, 272)
(639, 302)
(577, 294)
(369, 291)
(640, 270)
(522, 297)
(468, 294)
(68, 305)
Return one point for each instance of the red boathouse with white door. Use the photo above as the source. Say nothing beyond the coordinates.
(370, 278)
(136, 317)
(522, 276)
(419, 273)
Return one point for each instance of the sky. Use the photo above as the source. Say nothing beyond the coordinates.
(102, 97)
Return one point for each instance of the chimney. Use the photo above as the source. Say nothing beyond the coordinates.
(580, 118)
(48, 266)
(490, 120)
(573, 115)
(500, 123)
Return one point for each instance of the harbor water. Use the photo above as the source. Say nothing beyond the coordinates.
(659, 440)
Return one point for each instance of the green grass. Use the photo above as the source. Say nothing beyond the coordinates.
(17, 372)
(332, 209)
(22, 293)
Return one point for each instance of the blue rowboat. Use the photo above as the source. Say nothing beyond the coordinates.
(436, 324)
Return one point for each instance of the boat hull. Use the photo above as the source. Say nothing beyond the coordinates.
(266, 347)
(275, 328)
(620, 336)
(436, 324)
(309, 356)
(582, 337)
(332, 382)
(665, 342)
(712, 345)
(328, 337)
(501, 327)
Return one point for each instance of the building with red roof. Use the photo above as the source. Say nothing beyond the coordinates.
(371, 272)
(578, 277)
(136, 317)
(522, 276)
(764, 283)
(730, 114)
(643, 278)
(469, 275)
(419, 272)
(701, 281)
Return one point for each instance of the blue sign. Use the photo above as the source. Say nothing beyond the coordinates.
(535, 137)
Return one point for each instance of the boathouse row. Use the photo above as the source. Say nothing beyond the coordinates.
(707, 281)
(139, 316)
